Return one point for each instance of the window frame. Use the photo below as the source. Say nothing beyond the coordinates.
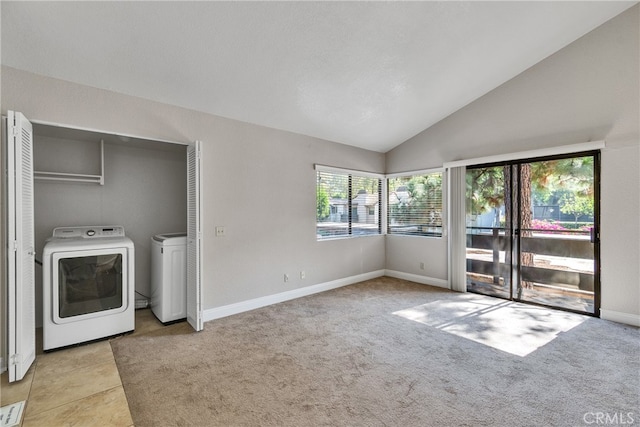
(410, 174)
(381, 204)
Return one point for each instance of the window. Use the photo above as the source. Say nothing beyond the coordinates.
(347, 203)
(415, 204)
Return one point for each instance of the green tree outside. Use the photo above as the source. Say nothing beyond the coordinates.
(576, 205)
(322, 203)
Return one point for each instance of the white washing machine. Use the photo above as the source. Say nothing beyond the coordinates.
(88, 285)
(169, 276)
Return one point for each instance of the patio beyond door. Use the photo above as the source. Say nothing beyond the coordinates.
(533, 231)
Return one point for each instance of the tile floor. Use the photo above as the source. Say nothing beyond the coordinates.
(78, 386)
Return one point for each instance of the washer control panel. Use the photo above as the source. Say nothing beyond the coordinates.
(88, 232)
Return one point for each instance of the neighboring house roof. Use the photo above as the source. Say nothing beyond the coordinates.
(399, 196)
(361, 199)
(366, 199)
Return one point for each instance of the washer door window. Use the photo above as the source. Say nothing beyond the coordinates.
(89, 284)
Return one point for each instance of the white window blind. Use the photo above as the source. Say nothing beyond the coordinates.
(414, 204)
(347, 204)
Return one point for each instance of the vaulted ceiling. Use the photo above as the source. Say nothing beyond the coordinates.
(367, 74)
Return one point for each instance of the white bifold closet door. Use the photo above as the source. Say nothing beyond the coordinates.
(20, 246)
(194, 237)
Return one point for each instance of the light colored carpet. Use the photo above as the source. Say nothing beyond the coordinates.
(385, 352)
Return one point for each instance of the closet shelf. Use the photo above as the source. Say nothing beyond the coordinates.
(74, 177)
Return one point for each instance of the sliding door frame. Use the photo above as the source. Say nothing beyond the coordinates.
(515, 232)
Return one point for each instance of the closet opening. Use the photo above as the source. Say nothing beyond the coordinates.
(72, 177)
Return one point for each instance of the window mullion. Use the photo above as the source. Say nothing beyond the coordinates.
(350, 204)
(380, 206)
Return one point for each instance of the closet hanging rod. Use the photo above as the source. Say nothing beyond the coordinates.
(61, 176)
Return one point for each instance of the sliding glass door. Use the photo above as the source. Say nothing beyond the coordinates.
(532, 231)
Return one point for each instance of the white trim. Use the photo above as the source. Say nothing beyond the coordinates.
(529, 154)
(333, 169)
(106, 132)
(241, 307)
(418, 172)
(349, 236)
(415, 236)
(440, 283)
(616, 316)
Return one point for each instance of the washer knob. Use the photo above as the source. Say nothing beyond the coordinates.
(91, 233)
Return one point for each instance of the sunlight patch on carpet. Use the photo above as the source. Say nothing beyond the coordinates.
(508, 326)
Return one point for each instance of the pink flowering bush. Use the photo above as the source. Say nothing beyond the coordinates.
(538, 224)
(541, 225)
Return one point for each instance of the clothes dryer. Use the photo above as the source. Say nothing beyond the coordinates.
(88, 285)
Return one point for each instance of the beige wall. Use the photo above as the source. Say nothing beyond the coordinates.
(588, 91)
(258, 183)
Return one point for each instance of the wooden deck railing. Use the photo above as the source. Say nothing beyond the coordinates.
(553, 245)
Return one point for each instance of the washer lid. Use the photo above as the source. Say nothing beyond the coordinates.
(165, 236)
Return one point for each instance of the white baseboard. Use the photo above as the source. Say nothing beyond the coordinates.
(240, 307)
(616, 316)
(440, 283)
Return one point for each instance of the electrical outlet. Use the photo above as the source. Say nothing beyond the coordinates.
(220, 231)
(422, 266)
(286, 278)
(302, 275)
